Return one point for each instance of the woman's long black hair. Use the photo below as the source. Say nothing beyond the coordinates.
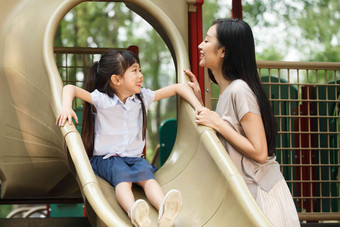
(113, 62)
(239, 62)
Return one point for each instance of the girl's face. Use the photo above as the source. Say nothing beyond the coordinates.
(132, 80)
(211, 56)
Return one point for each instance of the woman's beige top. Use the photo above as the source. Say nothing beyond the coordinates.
(237, 100)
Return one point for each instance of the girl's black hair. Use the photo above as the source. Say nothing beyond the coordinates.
(113, 62)
(239, 62)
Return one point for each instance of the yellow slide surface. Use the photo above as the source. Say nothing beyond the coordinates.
(40, 160)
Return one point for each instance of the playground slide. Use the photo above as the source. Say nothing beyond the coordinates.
(39, 159)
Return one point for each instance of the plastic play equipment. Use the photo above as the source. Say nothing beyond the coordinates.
(40, 160)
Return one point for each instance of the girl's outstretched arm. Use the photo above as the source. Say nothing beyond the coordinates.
(180, 89)
(194, 85)
(69, 92)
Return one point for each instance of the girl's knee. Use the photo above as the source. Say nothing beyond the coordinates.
(147, 182)
(124, 185)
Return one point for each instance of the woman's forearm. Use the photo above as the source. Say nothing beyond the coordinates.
(254, 147)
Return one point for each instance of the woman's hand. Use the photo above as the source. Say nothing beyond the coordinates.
(194, 85)
(66, 114)
(207, 117)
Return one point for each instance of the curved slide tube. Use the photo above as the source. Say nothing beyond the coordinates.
(37, 157)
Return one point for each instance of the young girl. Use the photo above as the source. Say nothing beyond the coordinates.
(114, 130)
(243, 117)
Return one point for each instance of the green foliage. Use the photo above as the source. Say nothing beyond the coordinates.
(93, 24)
(269, 54)
(253, 13)
(320, 20)
(210, 12)
(330, 54)
(308, 28)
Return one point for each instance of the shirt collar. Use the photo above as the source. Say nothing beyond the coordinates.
(116, 100)
(132, 98)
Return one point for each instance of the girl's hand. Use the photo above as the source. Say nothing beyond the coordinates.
(207, 117)
(194, 84)
(66, 114)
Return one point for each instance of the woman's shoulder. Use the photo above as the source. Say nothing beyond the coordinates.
(238, 87)
(239, 84)
(240, 91)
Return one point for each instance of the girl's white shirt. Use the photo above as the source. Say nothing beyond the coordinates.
(118, 126)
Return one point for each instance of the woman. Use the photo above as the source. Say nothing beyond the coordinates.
(243, 119)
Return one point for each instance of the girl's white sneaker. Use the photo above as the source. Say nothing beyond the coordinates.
(140, 214)
(171, 205)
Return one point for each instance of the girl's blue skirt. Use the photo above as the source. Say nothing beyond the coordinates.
(123, 169)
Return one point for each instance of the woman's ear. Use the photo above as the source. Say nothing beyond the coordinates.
(115, 79)
(222, 52)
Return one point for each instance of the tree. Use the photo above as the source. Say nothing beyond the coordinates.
(308, 30)
(212, 10)
(323, 29)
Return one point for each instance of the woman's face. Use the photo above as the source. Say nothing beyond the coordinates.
(211, 56)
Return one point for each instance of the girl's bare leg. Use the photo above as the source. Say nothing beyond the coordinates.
(138, 211)
(168, 206)
(125, 196)
(153, 192)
